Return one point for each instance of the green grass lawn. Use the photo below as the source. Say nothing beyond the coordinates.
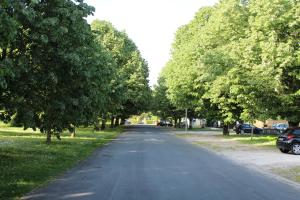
(199, 129)
(260, 140)
(26, 162)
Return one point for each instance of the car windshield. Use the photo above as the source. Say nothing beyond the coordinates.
(288, 131)
(247, 125)
(282, 125)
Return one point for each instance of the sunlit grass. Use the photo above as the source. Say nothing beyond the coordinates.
(27, 162)
(199, 129)
(262, 141)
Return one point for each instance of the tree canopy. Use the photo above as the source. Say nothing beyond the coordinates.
(238, 60)
(130, 90)
(56, 73)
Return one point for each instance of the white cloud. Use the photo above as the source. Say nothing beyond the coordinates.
(151, 24)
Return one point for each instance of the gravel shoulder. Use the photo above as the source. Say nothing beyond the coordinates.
(264, 158)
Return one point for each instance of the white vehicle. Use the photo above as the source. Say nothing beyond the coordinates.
(281, 127)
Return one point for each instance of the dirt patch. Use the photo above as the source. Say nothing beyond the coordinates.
(265, 157)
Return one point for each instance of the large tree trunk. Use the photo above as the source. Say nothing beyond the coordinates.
(225, 129)
(72, 132)
(112, 120)
(117, 122)
(293, 124)
(123, 121)
(252, 131)
(103, 122)
(96, 125)
(48, 140)
(191, 123)
(237, 129)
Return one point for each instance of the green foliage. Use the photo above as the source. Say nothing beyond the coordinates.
(147, 118)
(130, 92)
(161, 105)
(238, 60)
(56, 73)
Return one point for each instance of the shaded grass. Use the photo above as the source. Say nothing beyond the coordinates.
(27, 162)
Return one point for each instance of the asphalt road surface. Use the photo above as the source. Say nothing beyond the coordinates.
(147, 163)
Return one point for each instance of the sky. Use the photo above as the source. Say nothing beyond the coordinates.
(151, 24)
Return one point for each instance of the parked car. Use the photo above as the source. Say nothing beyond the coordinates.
(160, 123)
(164, 123)
(247, 128)
(281, 127)
(168, 123)
(289, 141)
(181, 125)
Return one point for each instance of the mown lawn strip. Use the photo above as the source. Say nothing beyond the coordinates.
(26, 162)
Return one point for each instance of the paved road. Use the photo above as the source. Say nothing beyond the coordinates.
(147, 163)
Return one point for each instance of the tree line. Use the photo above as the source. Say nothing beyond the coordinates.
(236, 61)
(58, 72)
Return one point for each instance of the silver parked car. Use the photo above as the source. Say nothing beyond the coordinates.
(281, 127)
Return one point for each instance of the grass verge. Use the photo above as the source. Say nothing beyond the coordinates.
(199, 129)
(292, 173)
(267, 141)
(26, 162)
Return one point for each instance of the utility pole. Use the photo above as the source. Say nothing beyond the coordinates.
(186, 120)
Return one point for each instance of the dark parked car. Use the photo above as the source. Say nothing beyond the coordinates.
(164, 123)
(247, 128)
(289, 141)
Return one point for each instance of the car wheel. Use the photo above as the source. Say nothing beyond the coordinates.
(284, 150)
(296, 148)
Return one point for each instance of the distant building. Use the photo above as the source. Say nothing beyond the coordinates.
(196, 123)
(269, 123)
(199, 123)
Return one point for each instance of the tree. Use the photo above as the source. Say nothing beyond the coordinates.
(273, 48)
(59, 79)
(130, 91)
(161, 105)
(8, 34)
(238, 60)
(182, 72)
